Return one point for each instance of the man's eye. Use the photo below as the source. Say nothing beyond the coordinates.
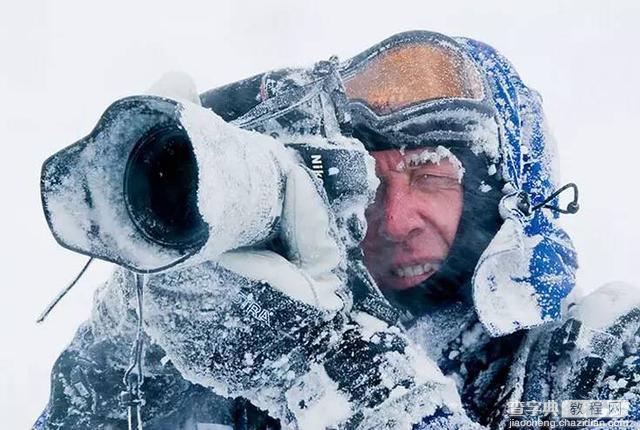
(431, 182)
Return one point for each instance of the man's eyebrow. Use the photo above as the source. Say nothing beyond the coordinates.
(431, 156)
(415, 162)
(409, 162)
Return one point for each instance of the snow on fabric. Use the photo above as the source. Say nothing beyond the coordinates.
(278, 192)
(219, 345)
(479, 129)
(600, 309)
(82, 188)
(539, 251)
(240, 180)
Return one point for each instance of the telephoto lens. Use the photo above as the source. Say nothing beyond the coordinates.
(161, 188)
(159, 182)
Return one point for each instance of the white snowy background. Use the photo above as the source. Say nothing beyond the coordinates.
(63, 62)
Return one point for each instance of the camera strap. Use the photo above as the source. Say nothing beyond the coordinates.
(63, 292)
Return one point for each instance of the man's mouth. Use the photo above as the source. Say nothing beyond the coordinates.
(412, 270)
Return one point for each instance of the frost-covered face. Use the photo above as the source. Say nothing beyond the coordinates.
(414, 218)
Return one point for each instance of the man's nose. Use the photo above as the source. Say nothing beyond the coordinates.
(401, 219)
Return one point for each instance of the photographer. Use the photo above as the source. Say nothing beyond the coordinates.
(461, 238)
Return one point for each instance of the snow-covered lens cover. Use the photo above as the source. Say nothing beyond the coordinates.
(88, 202)
(158, 182)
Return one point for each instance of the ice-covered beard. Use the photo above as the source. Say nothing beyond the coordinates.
(414, 219)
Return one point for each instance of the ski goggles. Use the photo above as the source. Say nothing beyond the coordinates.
(417, 89)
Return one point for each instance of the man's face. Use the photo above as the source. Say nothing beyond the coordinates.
(414, 218)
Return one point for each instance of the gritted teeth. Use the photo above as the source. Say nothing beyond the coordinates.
(415, 269)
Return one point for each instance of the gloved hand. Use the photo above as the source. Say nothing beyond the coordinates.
(279, 328)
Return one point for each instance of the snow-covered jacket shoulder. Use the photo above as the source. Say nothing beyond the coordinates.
(593, 354)
(600, 355)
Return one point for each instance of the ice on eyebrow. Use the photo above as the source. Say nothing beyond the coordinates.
(432, 155)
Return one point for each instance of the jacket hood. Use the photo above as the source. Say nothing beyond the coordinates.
(529, 267)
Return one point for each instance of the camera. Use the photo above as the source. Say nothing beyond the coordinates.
(158, 182)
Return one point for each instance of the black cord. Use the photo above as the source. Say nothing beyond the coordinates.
(64, 292)
(571, 208)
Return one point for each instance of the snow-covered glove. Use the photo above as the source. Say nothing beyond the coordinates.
(279, 328)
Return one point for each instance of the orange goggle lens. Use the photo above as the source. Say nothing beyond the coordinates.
(413, 73)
